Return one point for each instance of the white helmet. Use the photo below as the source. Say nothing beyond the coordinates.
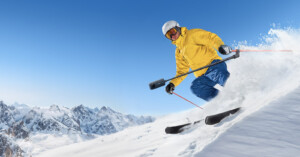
(168, 25)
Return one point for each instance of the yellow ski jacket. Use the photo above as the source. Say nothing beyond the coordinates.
(195, 48)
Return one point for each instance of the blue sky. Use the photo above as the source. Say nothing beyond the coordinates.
(105, 53)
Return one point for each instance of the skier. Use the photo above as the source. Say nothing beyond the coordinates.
(196, 48)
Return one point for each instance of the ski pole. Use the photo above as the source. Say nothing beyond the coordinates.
(247, 50)
(187, 100)
(162, 82)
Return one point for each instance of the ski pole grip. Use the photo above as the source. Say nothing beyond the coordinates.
(157, 84)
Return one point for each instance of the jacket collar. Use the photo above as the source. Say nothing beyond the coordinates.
(181, 37)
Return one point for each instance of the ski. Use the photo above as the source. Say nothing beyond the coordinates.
(214, 119)
(209, 120)
(179, 128)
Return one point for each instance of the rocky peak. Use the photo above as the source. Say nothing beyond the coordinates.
(3, 107)
(8, 147)
(6, 115)
(54, 108)
(107, 111)
(18, 130)
(1, 104)
(80, 109)
(103, 108)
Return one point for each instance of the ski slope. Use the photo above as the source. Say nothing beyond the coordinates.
(265, 85)
(272, 131)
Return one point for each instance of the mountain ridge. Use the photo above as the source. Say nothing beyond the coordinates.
(21, 122)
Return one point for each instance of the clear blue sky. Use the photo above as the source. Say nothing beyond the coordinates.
(71, 52)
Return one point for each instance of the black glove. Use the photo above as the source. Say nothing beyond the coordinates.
(225, 50)
(170, 88)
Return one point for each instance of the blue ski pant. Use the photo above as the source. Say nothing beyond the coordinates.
(203, 86)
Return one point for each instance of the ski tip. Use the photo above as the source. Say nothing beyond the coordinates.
(214, 119)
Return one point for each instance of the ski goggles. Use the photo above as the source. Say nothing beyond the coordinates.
(171, 32)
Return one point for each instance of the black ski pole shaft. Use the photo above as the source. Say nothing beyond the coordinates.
(162, 82)
(207, 66)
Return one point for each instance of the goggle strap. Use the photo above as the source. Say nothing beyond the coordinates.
(178, 29)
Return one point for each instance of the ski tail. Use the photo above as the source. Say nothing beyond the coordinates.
(176, 129)
(179, 128)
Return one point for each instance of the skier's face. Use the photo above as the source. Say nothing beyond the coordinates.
(172, 34)
(175, 36)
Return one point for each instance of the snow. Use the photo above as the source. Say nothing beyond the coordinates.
(39, 142)
(272, 131)
(265, 85)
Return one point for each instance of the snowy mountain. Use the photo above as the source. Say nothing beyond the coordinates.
(265, 85)
(52, 119)
(22, 124)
